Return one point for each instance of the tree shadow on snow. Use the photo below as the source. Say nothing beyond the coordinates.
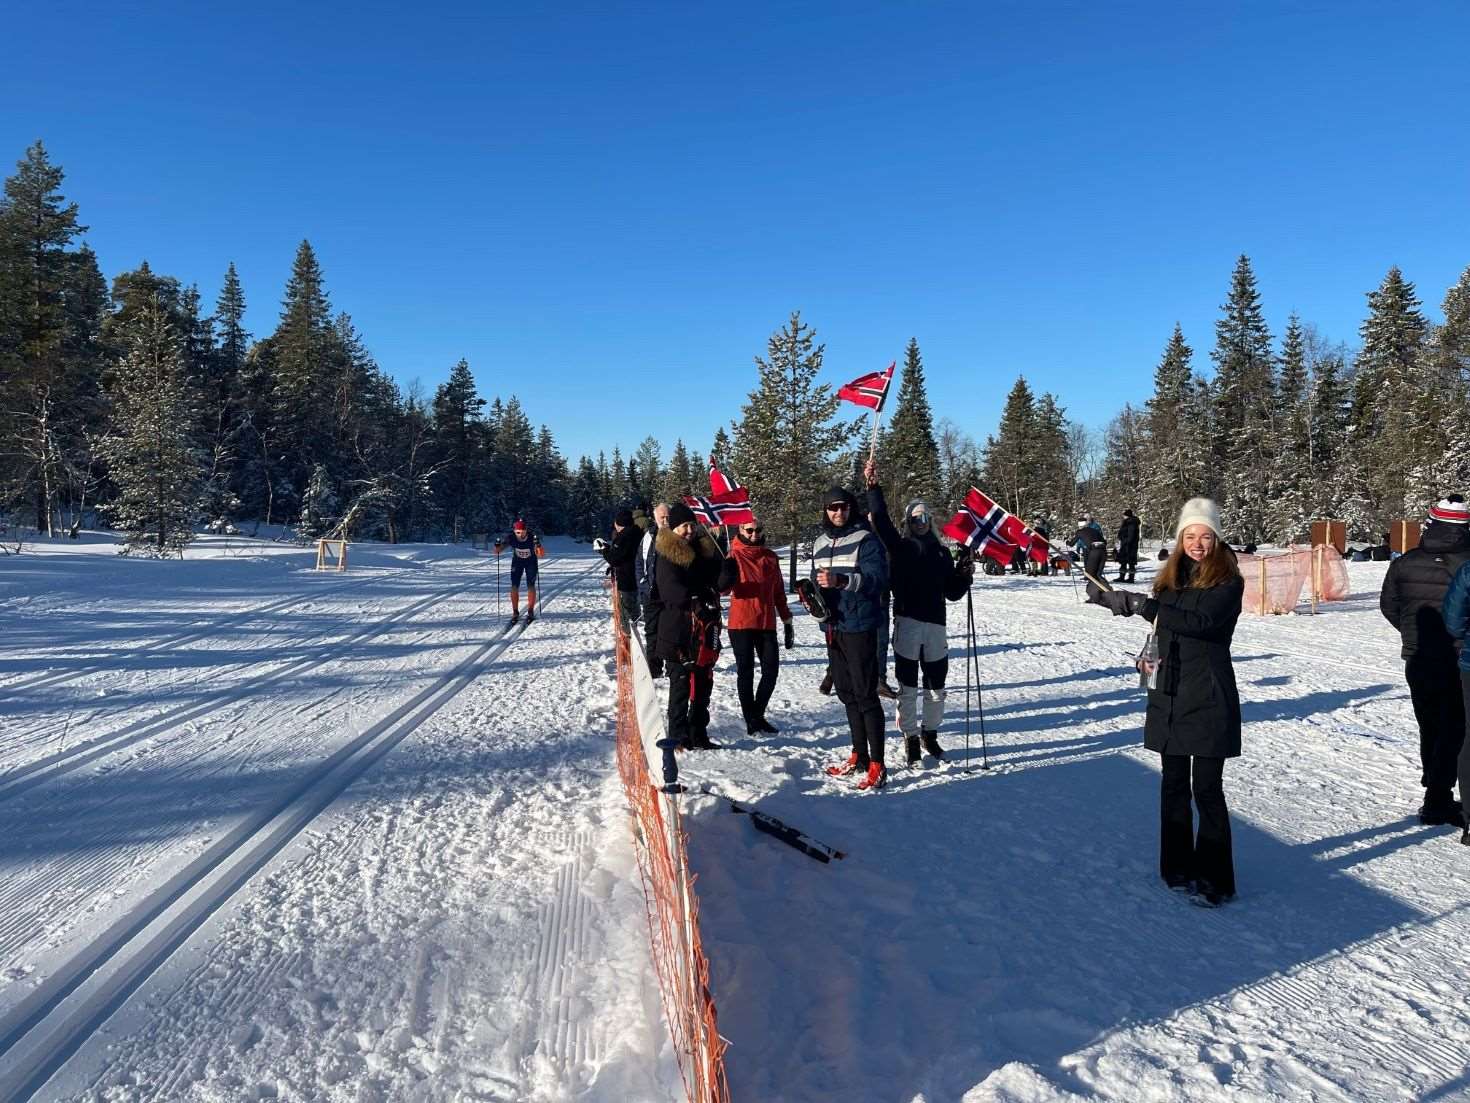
(983, 919)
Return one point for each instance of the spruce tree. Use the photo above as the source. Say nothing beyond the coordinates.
(720, 451)
(786, 440)
(1178, 458)
(456, 413)
(319, 512)
(1010, 455)
(680, 478)
(1289, 502)
(909, 454)
(303, 346)
(40, 389)
(1244, 407)
(151, 454)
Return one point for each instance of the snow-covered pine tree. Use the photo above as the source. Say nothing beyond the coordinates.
(151, 454)
(1010, 472)
(908, 453)
(681, 478)
(1385, 429)
(719, 450)
(786, 440)
(1244, 408)
(318, 505)
(43, 392)
(1176, 455)
(1288, 512)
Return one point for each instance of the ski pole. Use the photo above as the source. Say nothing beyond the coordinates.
(497, 584)
(969, 646)
(979, 695)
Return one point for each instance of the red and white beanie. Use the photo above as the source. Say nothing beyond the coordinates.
(1450, 511)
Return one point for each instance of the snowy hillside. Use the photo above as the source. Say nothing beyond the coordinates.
(270, 833)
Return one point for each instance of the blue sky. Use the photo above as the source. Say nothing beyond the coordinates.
(608, 209)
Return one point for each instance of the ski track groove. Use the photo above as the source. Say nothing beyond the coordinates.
(169, 643)
(39, 771)
(127, 949)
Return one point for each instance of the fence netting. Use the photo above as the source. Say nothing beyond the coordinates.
(1278, 583)
(668, 884)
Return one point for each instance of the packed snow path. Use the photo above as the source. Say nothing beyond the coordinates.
(464, 920)
(172, 890)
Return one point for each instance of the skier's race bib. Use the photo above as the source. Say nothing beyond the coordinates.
(523, 553)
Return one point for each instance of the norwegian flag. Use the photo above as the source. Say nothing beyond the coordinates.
(722, 488)
(869, 390)
(986, 528)
(1036, 548)
(712, 512)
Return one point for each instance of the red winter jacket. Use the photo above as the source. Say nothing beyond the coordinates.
(752, 577)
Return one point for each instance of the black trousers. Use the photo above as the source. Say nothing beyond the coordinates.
(1205, 858)
(1127, 562)
(651, 613)
(852, 658)
(750, 644)
(1095, 559)
(1465, 748)
(1440, 712)
(689, 690)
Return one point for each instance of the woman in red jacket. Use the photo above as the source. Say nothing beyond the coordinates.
(751, 575)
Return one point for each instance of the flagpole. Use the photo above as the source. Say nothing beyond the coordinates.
(873, 448)
(1102, 584)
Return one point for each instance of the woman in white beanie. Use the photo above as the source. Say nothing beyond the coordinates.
(1193, 718)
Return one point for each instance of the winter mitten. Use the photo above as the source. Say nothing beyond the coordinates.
(790, 632)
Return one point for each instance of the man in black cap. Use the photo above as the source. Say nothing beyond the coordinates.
(622, 556)
(1128, 547)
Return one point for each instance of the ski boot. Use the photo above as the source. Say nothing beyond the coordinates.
(842, 769)
(931, 745)
(911, 749)
(530, 615)
(876, 777)
(515, 618)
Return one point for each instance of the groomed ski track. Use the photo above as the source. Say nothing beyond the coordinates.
(79, 989)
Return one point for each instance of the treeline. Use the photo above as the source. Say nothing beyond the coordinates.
(134, 403)
(1280, 434)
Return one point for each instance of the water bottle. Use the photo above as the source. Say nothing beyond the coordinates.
(1148, 664)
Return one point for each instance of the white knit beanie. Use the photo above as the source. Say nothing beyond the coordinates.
(1199, 511)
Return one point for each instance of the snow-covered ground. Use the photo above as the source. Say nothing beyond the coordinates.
(268, 833)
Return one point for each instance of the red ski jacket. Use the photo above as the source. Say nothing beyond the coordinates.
(752, 577)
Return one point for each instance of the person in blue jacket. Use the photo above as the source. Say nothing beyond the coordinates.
(1456, 612)
(851, 570)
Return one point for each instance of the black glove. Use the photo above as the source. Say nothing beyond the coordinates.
(1123, 603)
(790, 634)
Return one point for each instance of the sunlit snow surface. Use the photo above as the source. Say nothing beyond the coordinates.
(465, 921)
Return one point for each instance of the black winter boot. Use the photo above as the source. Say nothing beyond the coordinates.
(911, 748)
(931, 744)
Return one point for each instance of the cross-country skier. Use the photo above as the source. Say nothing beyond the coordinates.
(525, 550)
(849, 567)
(924, 576)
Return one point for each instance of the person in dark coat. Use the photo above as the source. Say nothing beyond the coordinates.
(622, 557)
(1092, 546)
(645, 573)
(1456, 612)
(1128, 547)
(923, 576)
(1193, 718)
(1412, 597)
(687, 576)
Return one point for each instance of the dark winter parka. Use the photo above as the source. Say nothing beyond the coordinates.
(1414, 589)
(1128, 535)
(622, 556)
(921, 572)
(687, 576)
(1195, 709)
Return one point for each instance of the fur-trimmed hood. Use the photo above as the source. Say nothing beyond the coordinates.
(680, 552)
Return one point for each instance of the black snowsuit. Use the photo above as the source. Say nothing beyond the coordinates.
(687, 576)
(1193, 722)
(622, 557)
(922, 576)
(1128, 549)
(1093, 545)
(1413, 593)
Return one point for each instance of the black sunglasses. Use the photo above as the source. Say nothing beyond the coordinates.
(839, 505)
(754, 528)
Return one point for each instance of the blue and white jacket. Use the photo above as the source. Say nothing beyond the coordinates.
(855, 552)
(1456, 612)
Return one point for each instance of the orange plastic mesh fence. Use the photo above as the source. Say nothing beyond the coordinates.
(668, 893)
(1275, 583)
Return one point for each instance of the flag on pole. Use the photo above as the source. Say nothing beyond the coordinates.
(869, 390)
(721, 486)
(986, 528)
(712, 512)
